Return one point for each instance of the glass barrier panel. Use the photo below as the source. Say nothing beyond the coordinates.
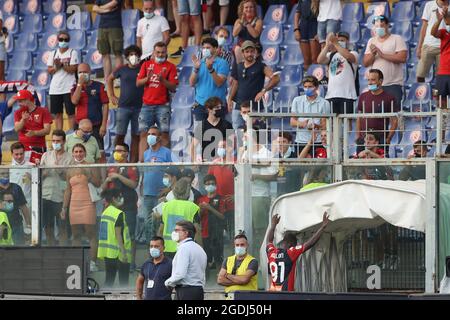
(443, 218)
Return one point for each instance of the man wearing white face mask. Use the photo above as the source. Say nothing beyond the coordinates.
(343, 72)
(53, 186)
(239, 271)
(159, 78)
(155, 271)
(209, 78)
(387, 53)
(151, 29)
(62, 65)
(189, 263)
(130, 101)
(222, 35)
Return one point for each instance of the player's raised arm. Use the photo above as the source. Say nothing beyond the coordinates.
(311, 242)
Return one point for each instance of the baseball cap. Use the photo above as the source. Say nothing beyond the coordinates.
(381, 18)
(343, 34)
(248, 44)
(173, 171)
(24, 95)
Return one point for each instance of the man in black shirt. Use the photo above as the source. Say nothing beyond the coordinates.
(248, 83)
(211, 131)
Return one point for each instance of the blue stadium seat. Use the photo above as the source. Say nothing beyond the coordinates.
(79, 21)
(42, 95)
(77, 39)
(32, 23)
(378, 9)
(403, 29)
(271, 55)
(41, 79)
(419, 97)
(414, 131)
(14, 75)
(353, 12)
(94, 59)
(291, 75)
(54, 6)
(186, 59)
(366, 34)
(283, 100)
(317, 70)
(183, 76)
(22, 60)
(27, 7)
(9, 7)
(292, 55)
(183, 97)
(129, 37)
(112, 118)
(280, 123)
(8, 125)
(181, 117)
(259, 11)
(180, 143)
(9, 43)
(92, 42)
(291, 17)
(26, 41)
(403, 11)
(276, 13)
(55, 22)
(289, 37)
(11, 22)
(40, 62)
(353, 30)
(272, 35)
(49, 41)
(96, 23)
(130, 18)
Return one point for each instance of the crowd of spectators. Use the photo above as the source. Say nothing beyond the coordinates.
(229, 82)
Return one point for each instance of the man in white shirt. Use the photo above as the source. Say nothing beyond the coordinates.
(189, 264)
(428, 49)
(152, 28)
(329, 19)
(311, 102)
(343, 69)
(388, 53)
(62, 65)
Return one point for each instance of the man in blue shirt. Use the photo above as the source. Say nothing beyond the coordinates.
(311, 102)
(153, 176)
(209, 78)
(155, 271)
(110, 32)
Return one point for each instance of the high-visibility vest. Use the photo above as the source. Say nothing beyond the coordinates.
(108, 246)
(252, 285)
(313, 185)
(4, 220)
(172, 212)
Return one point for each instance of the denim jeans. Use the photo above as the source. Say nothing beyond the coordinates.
(325, 27)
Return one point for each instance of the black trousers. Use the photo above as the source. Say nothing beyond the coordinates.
(111, 268)
(189, 293)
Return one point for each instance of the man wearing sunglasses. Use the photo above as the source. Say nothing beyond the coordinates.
(62, 64)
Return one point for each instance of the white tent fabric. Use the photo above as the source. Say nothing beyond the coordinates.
(352, 205)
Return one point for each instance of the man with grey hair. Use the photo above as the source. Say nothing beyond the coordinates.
(178, 209)
(189, 263)
(62, 64)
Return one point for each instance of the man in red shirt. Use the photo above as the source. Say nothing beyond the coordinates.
(443, 74)
(282, 261)
(372, 149)
(159, 76)
(33, 124)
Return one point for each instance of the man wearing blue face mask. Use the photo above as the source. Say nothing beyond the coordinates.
(387, 53)
(310, 102)
(155, 271)
(152, 28)
(209, 78)
(62, 65)
(239, 271)
(153, 176)
(342, 73)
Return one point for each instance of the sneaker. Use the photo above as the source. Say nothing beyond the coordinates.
(93, 267)
(178, 53)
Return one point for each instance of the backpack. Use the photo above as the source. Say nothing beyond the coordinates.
(355, 73)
